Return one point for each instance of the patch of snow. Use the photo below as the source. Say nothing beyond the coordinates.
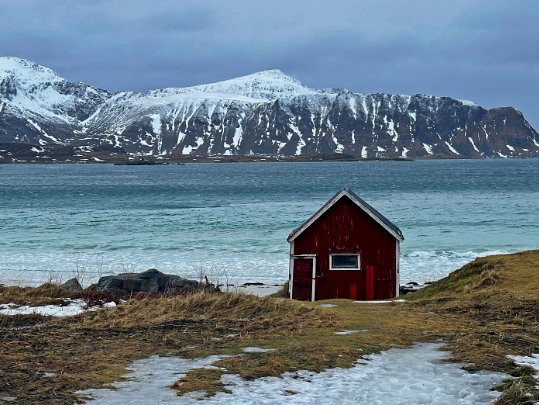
(150, 378)
(451, 148)
(466, 102)
(379, 301)
(391, 131)
(300, 146)
(238, 135)
(428, 148)
(364, 154)
(510, 148)
(181, 137)
(380, 149)
(338, 147)
(75, 307)
(473, 144)
(47, 374)
(412, 115)
(352, 103)
(484, 127)
(376, 379)
(254, 88)
(256, 350)
(404, 152)
(364, 107)
(156, 123)
(535, 142)
(500, 154)
(280, 145)
(350, 331)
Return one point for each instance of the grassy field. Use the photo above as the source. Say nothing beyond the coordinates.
(483, 312)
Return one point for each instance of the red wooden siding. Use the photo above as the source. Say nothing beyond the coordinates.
(345, 228)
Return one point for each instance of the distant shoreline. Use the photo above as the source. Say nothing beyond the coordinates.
(166, 160)
(28, 155)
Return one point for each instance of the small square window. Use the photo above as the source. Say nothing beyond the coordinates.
(344, 262)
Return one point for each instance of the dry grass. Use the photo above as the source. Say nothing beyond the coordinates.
(46, 294)
(94, 348)
(207, 381)
(519, 390)
(282, 292)
(200, 305)
(484, 311)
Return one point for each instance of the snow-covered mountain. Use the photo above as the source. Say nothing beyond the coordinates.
(267, 113)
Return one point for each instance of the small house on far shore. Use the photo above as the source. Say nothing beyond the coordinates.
(346, 249)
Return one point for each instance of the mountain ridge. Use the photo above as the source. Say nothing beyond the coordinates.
(264, 113)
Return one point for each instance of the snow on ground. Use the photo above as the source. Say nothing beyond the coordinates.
(74, 307)
(417, 375)
(530, 361)
(379, 301)
(350, 331)
(148, 381)
(255, 350)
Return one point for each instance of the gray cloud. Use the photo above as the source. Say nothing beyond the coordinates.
(481, 50)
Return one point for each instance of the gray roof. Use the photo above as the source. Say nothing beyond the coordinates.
(362, 204)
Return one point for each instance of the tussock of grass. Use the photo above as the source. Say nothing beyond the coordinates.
(480, 273)
(516, 273)
(206, 380)
(200, 305)
(520, 390)
(46, 294)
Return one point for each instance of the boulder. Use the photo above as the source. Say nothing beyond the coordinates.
(150, 281)
(72, 285)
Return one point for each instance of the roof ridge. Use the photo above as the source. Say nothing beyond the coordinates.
(362, 204)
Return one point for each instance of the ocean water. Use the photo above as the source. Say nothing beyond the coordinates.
(231, 221)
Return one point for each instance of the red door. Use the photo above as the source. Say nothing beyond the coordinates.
(302, 281)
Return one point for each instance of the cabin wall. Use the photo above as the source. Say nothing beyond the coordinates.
(345, 228)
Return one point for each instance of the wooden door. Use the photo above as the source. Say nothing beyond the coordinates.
(302, 282)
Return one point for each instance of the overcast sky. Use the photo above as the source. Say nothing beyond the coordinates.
(481, 50)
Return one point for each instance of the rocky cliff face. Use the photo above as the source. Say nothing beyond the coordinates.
(267, 113)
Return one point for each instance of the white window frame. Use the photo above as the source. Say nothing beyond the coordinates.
(358, 268)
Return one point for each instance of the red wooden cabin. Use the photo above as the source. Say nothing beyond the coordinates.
(347, 249)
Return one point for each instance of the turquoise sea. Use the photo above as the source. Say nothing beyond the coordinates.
(230, 221)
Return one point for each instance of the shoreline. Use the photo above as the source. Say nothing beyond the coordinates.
(143, 160)
(159, 160)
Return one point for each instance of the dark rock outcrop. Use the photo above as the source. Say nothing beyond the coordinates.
(150, 281)
(72, 285)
